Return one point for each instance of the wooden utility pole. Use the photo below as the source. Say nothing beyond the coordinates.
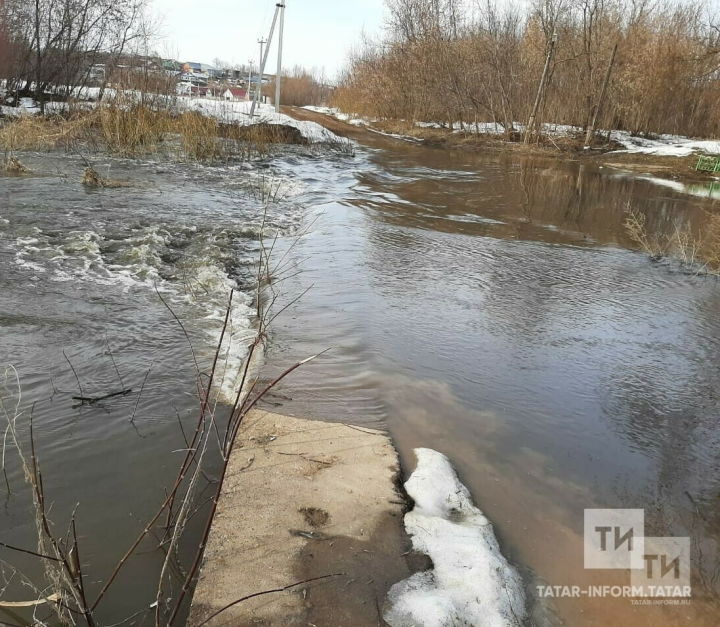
(596, 114)
(281, 6)
(541, 90)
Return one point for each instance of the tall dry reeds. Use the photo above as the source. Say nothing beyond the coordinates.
(444, 62)
(29, 132)
(198, 136)
(130, 128)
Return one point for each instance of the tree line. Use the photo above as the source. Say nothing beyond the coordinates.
(644, 66)
(52, 45)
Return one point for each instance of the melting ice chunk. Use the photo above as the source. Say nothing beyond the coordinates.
(471, 583)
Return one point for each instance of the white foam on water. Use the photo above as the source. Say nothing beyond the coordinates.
(199, 293)
(471, 582)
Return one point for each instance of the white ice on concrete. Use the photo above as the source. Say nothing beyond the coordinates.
(471, 583)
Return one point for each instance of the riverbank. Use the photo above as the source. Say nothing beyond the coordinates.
(670, 166)
(310, 503)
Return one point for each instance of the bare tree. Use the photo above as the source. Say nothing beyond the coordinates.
(441, 62)
(57, 42)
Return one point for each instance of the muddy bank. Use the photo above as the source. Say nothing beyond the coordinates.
(304, 500)
(566, 149)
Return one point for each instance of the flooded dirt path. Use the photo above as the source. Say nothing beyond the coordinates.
(493, 308)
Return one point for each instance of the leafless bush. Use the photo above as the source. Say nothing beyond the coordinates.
(301, 87)
(698, 251)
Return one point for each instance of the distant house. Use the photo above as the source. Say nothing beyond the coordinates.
(233, 93)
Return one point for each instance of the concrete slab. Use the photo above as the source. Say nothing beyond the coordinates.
(304, 499)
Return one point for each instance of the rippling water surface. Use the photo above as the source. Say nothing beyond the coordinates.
(87, 281)
(494, 309)
(489, 307)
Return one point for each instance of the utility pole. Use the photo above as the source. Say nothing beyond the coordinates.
(541, 91)
(281, 6)
(263, 59)
(248, 90)
(258, 91)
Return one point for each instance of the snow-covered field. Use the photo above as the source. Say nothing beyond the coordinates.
(471, 583)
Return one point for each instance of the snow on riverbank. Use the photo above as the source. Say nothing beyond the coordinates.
(471, 583)
(665, 145)
(228, 112)
(660, 145)
(238, 112)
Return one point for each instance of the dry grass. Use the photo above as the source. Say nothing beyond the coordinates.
(198, 136)
(37, 133)
(130, 129)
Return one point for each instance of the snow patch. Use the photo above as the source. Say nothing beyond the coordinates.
(344, 117)
(471, 582)
(665, 145)
(238, 112)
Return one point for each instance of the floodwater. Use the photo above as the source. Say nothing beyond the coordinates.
(489, 307)
(494, 309)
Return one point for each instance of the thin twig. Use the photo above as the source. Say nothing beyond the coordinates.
(74, 372)
(142, 387)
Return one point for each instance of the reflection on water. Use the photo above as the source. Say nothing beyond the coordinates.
(703, 190)
(490, 308)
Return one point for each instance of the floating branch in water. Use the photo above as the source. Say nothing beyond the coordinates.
(94, 399)
(53, 598)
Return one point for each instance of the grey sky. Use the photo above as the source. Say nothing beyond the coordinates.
(318, 33)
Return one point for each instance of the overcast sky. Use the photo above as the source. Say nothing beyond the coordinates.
(318, 33)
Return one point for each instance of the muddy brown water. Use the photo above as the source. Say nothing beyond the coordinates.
(489, 307)
(494, 309)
